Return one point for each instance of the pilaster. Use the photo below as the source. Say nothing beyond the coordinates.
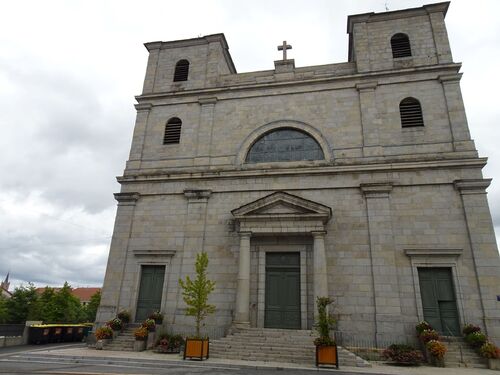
(118, 253)
(484, 250)
(139, 136)
(242, 309)
(320, 266)
(369, 119)
(383, 262)
(204, 132)
(456, 112)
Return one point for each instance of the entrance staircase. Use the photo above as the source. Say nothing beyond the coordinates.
(460, 354)
(275, 345)
(124, 341)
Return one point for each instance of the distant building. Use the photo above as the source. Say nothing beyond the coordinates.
(4, 287)
(83, 294)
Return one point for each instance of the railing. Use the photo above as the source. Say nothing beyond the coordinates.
(11, 329)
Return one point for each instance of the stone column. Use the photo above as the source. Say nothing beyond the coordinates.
(369, 119)
(456, 112)
(388, 319)
(320, 269)
(484, 250)
(204, 131)
(242, 312)
(117, 260)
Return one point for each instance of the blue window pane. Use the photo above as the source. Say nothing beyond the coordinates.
(284, 145)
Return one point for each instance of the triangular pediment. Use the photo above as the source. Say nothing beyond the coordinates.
(282, 205)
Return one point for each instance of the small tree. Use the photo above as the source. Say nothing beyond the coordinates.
(90, 310)
(325, 322)
(195, 292)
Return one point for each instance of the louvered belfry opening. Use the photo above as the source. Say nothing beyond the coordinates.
(172, 131)
(411, 113)
(400, 45)
(181, 71)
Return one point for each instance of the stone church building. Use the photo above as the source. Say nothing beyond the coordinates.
(356, 180)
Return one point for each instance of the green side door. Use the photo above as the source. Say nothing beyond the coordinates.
(438, 300)
(150, 291)
(282, 308)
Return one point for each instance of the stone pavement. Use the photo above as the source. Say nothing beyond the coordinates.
(84, 353)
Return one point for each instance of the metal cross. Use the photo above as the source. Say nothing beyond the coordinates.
(283, 48)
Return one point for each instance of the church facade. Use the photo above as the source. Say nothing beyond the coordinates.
(356, 180)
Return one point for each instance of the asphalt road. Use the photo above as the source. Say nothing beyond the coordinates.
(16, 360)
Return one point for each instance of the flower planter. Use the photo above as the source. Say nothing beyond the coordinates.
(100, 344)
(139, 345)
(196, 349)
(327, 355)
(494, 364)
(438, 362)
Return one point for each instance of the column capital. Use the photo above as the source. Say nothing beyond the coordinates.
(319, 233)
(376, 190)
(127, 199)
(245, 234)
(366, 86)
(143, 107)
(450, 78)
(197, 195)
(207, 100)
(472, 186)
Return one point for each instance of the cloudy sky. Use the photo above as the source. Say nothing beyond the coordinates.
(69, 71)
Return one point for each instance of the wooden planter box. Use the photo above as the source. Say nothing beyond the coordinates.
(494, 364)
(327, 355)
(196, 349)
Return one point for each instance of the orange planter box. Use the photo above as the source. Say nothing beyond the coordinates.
(196, 349)
(327, 355)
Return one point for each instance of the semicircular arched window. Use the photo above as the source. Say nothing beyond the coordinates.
(284, 145)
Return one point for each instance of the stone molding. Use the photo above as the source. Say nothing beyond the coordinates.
(284, 66)
(472, 186)
(376, 190)
(153, 253)
(197, 195)
(433, 252)
(127, 199)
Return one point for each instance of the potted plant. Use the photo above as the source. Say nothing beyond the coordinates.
(470, 328)
(437, 350)
(326, 349)
(476, 339)
(195, 294)
(422, 326)
(116, 325)
(141, 335)
(401, 354)
(492, 353)
(103, 335)
(169, 343)
(157, 317)
(428, 335)
(149, 324)
(124, 316)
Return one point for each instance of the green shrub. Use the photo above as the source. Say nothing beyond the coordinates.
(476, 339)
(404, 354)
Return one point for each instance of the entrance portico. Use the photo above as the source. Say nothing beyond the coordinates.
(280, 214)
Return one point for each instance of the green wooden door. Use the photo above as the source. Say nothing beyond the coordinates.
(150, 291)
(282, 308)
(438, 300)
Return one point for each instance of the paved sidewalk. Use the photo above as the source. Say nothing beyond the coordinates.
(149, 356)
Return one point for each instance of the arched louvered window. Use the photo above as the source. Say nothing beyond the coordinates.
(411, 113)
(284, 144)
(172, 131)
(181, 71)
(400, 45)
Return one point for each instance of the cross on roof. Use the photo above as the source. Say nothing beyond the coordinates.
(283, 48)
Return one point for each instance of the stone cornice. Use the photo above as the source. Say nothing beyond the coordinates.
(366, 86)
(143, 106)
(153, 253)
(433, 251)
(197, 195)
(356, 78)
(358, 168)
(445, 78)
